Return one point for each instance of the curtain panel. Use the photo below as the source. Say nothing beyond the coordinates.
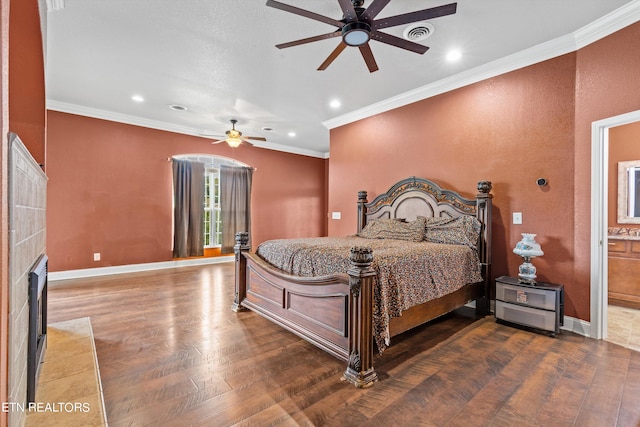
(235, 203)
(188, 197)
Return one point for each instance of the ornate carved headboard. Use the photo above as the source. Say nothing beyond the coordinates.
(419, 196)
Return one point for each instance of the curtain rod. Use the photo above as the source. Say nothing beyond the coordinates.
(250, 167)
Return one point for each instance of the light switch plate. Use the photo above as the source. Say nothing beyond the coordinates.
(517, 217)
(335, 215)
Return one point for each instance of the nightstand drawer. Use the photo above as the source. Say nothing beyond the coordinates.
(530, 296)
(526, 316)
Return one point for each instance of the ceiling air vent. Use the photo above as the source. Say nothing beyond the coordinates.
(418, 31)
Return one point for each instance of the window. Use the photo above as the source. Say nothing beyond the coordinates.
(212, 224)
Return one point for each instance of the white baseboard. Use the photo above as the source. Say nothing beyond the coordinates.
(578, 326)
(134, 268)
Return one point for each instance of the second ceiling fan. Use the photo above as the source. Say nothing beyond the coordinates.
(234, 137)
(358, 26)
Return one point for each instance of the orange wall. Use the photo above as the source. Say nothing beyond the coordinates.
(511, 129)
(4, 207)
(110, 191)
(26, 77)
(607, 85)
(624, 145)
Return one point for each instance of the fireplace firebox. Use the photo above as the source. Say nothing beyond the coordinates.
(37, 340)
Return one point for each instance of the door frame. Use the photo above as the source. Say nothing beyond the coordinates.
(599, 218)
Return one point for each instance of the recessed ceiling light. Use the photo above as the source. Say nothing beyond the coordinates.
(176, 107)
(335, 104)
(454, 55)
(267, 129)
(137, 98)
(292, 134)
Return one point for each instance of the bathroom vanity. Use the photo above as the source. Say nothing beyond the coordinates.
(624, 267)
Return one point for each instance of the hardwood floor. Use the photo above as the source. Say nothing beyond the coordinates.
(171, 352)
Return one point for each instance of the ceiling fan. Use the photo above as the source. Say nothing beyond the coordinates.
(359, 25)
(234, 137)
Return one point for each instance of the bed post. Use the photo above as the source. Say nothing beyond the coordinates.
(242, 245)
(484, 204)
(362, 210)
(360, 370)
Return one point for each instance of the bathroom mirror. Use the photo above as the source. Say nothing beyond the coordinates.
(629, 192)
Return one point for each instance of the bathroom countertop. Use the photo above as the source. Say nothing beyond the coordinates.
(623, 237)
(622, 233)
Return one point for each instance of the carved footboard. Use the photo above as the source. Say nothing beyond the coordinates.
(332, 312)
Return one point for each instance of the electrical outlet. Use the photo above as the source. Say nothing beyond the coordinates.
(336, 215)
(517, 217)
(96, 256)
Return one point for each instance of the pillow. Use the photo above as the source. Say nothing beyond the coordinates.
(394, 229)
(463, 230)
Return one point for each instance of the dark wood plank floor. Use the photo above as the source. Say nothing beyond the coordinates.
(171, 352)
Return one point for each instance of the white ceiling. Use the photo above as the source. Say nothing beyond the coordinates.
(218, 59)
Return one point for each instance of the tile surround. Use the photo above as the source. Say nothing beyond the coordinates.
(27, 241)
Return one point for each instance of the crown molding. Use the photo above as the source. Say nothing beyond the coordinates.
(96, 113)
(615, 21)
(53, 5)
(600, 28)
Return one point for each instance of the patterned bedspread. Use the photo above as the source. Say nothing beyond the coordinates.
(408, 273)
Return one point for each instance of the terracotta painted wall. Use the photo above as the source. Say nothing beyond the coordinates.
(607, 85)
(511, 129)
(4, 206)
(110, 191)
(27, 111)
(624, 145)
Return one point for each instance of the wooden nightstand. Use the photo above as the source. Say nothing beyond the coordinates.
(539, 305)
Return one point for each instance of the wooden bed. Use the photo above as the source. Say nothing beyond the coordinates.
(335, 312)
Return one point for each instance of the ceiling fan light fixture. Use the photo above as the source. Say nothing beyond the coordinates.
(233, 142)
(356, 33)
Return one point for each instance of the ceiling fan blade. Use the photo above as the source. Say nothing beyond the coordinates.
(337, 51)
(255, 138)
(305, 13)
(398, 42)
(244, 141)
(365, 50)
(309, 40)
(348, 10)
(420, 15)
(373, 10)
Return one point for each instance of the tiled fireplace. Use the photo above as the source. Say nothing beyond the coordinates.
(27, 243)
